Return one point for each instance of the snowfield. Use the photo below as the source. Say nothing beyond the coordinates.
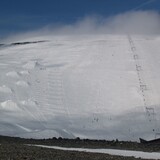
(92, 86)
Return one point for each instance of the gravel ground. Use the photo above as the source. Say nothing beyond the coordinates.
(21, 152)
(14, 149)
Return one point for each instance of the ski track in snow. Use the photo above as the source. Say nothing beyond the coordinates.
(88, 86)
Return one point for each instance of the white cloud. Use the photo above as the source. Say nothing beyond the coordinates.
(134, 22)
(139, 22)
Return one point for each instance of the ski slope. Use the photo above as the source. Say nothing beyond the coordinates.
(88, 86)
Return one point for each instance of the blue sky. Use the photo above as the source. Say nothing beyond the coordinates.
(25, 15)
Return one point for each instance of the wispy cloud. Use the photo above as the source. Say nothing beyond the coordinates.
(143, 4)
(134, 22)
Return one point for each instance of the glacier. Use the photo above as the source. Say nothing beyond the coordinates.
(87, 86)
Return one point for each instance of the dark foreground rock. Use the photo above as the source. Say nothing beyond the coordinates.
(13, 148)
(22, 152)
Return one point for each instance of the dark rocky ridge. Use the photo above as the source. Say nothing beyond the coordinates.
(21, 43)
(24, 43)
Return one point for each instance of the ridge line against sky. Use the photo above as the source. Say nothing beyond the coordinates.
(21, 15)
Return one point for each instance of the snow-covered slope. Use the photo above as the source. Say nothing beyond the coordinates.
(102, 87)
